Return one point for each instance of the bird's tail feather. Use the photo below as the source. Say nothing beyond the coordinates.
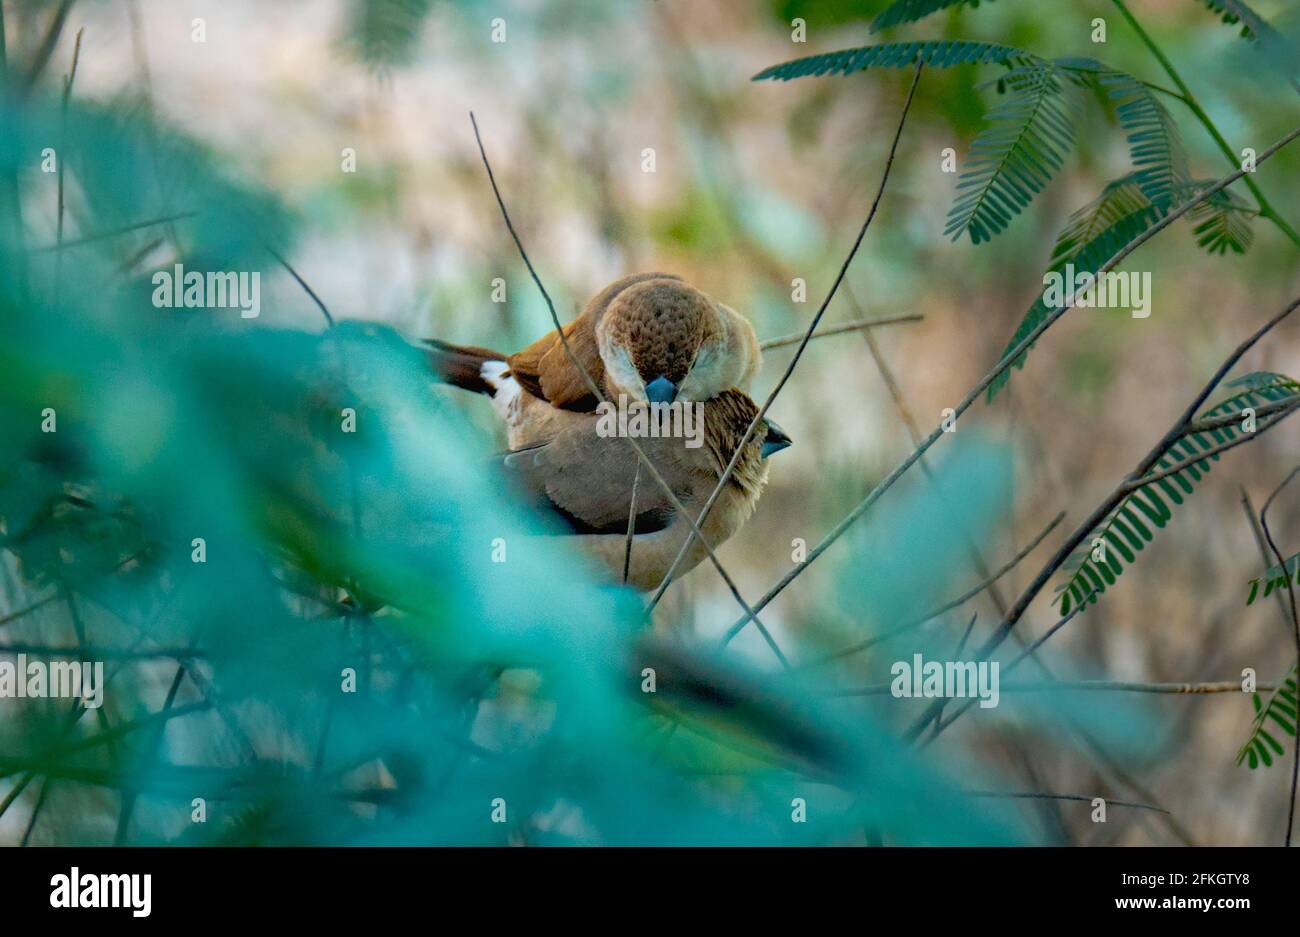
(462, 365)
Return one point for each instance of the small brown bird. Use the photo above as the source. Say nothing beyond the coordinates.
(649, 337)
(587, 479)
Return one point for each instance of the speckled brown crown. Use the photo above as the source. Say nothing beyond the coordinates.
(663, 323)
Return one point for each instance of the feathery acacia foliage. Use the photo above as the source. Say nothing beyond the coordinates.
(1014, 157)
(909, 11)
(1275, 577)
(395, 585)
(1281, 709)
(937, 54)
(1027, 136)
(1119, 538)
(1154, 145)
(1253, 26)
(1222, 222)
(1029, 133)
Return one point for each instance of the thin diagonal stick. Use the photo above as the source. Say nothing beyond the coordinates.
(812, 327)
(1086, 686)
(1295, 623)
(1015, 662)
(329, 319)
(63, 131)
(862, 325)
(1083, 797)
(48, 42)
(596, 392)
(41, 795)
(1252, 518)
(631, 524)
(112, 232)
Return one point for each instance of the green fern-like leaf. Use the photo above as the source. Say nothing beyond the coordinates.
(1280, 52)
(1279, 712)
(937, 54)
(1028, 133)
(1014, 157)
(1222, 222)
(1117, 540)
(1253, 26)
(1090, 232)
(909, 11)
(1275, 577)
(1155, 147)
(1154, 144)
(1092, 236)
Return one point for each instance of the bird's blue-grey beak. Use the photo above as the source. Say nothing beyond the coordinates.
(661, 390)
(775, 440)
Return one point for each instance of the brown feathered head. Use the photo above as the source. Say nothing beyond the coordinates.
(662, 340)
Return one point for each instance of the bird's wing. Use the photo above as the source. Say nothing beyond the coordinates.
(545, 371)
(586, 480)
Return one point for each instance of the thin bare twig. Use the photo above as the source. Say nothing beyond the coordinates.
(41, 795)
(48, 42)
(63, 130)
(329, 319)
(1252, 518)
(1218, 422)
(1086, 686)
(965, 636)
(112, 233)
(99, 652)
(1020, 658)
(631, 525)
(38, 604)
(1083, 797)
(1295, 624)
(854, 326)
